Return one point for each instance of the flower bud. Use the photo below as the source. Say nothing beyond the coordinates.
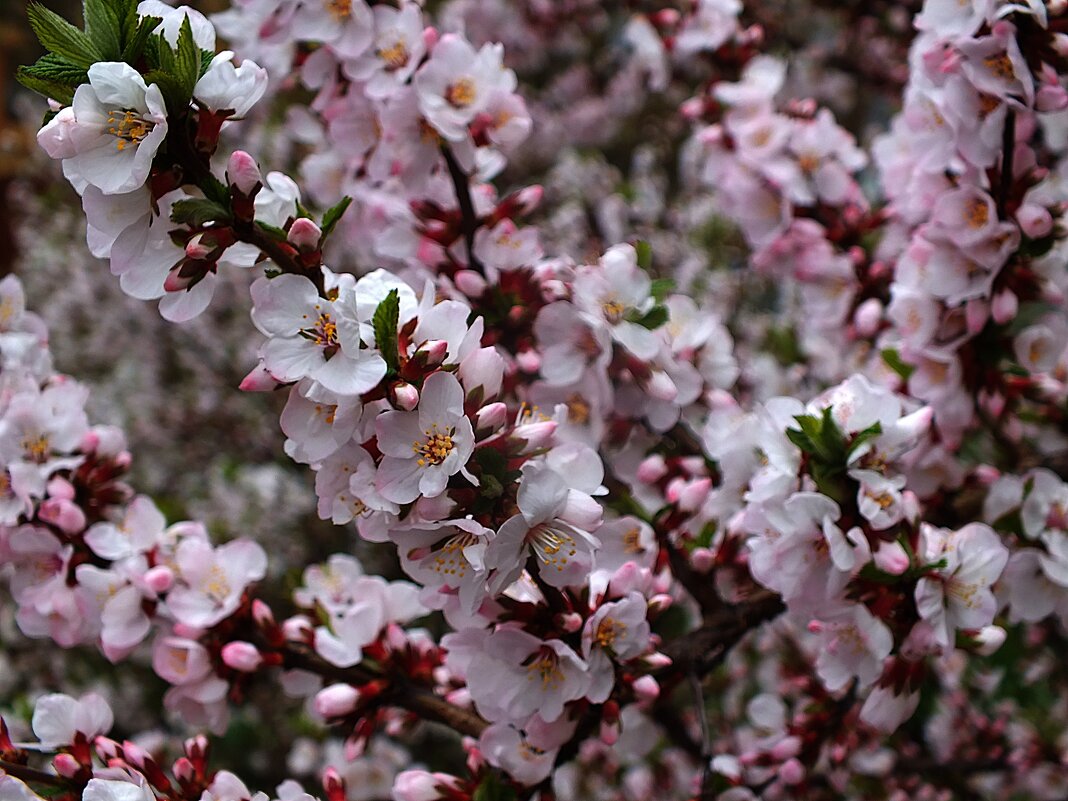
(531, 437)
(470, 283)
(868, 316)
(263, 615)
(1004, 306)
(259, 380)
(1035, 221)
(418, 785)
(661, 387)
(243, 173)
(337, 700)
(304, 235)
(431, 353)
(646, 688)
(63, 514)
(529, 361)
(298, 629)
(197, 248)
(891, 558)
(61, 488)
(405, 396)
(490, 418)
(569, 622)
(702, 559)
(159, 579)
(792, 772)
(66, 766)
(652, 469)
(183, 770)
(989, 639)
(241, 656)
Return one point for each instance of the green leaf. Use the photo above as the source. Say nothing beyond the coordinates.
(273, 230)
(206, 57)
(174, 94)
(661, 288)
(868, 434)
(198, 211)
(51, 67)
(103, 26)
(137, 39)
(333, 215)
(187, 57)
(60, 37)
(59, 91)
(645, 254)
(894, 362)
(654, 318)
(385, 322)
(492, 788)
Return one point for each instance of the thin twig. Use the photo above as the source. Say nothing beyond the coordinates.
(32, 775)
(461, 184)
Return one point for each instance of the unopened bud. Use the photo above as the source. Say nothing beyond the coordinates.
(470, 283)
(258, 380)
(531, 437)
(490, 418)
(304, 235)
(262, 614)
(405, 396)
(63, 514)
(646, 688)
(1004, 306)
(337, 700)
(243, 173)
(989, 639)
(66, 766)
(652, 469)
(569, 621)
(242, 656)
(159, 578)
(431, 353)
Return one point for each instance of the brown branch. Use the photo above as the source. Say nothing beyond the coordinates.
(461, 184)
(32, 775)
(402, 693)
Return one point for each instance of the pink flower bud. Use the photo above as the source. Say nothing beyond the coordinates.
(1004, 306)
(197, 248)
(430, 37)
(337, 700)
(258, 380)
(868, 316)
(661, 387)
(63, 514)
(702, 559)
(176, 282)
(159, 579)
(656, 660)
(1035, 221)
(976, 313)
(1051, 97)
(609, 732)
(652, 469)
(891, 558)
(531, 437)
(241, 656)
(134, 754)
(569, 622)
(490, 418)
(243, 173)
(183, 770)
(470, 283)
(416, 785)
(106, 748)
(262, 614)
(528, 361)
(66, 765)
(989, 639)
(529, 198)
(646, 688)
(792, 772)
(298, 629)
(61, 488)
(432, 352)
(405, 396)
(304, 235)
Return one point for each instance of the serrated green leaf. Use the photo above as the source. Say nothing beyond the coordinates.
(206, 57)
(661, 288)
(645, 254)
(800, 439)
(198, 211)
(187, 57)
(103, 26)
(174, 94)
(333, 215)
(273, 230)
(51, 67)
(137, 39)
(653, 319)
(60, 37)
(385, 322)
(60, 92)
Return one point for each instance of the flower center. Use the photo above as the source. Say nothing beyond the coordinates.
(462, 93)
(632, 541)
(217, 586)
(36, 447)
(613, 310)
(977, 213)
(608, 631)
(552, 544)
(323, 333)
(578, 410)
(339, 9)
(449, 559)
(395, 55)
(546, 667)
(437, 446)
(127, 128)
(1001, 66)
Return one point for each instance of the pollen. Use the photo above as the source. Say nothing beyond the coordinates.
(608, 631)
(632, 540)
(613, 310)
(217, 585)
(339, 9)
(977, 213)
(547, 668)
(435, 448)
(1001, 66)
(323, 333)
(127, 128)
(36, 447)
(395, 55)
(552, 544)
(578, 409)
(462, 93)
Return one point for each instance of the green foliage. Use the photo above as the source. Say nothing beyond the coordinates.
(645, 254)
(492, 788)
(198, 211)
(652, 319)
(661, 288)
(334, 214)
(385, 321)
(894, 362)
(61, 38)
